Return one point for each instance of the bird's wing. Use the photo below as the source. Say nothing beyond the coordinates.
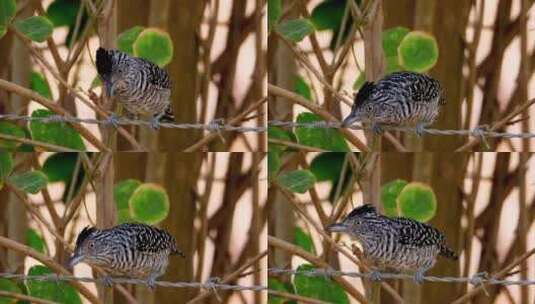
(411, 232)
(156, 76)
(150, 239)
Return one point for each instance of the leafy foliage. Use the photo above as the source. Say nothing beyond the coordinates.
(10, 129)
(9, 286)
(60, 292)
(6, 166)
(126, 39)
(122, 192)
(8, 8)
(145, 203)
(417, 201)
(274, 13)
(323, 138)
(295, 30)
(35, 241)
(321, 288)
(57, 133)
(274, 163)
(36, 28)
(154, 45)
(389, 194)
(303, 240)
(39, 85)
(297, 181)
(302, 88)
(60, 167)
(418, 52)
(30, 182)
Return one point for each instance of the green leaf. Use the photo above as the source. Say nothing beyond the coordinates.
(274, 164)
(323, 138)
(297, 181)
(7, 285)
(295, 30)
(303, 240)
(126, 39)
(417, 201)
(35, 241)
(30, 182)
(274, 13)
(36, 28)
(359, 81)
(60, 167)
(149, 204)
(6, 166)
(10, 129)
(59, 291)
(122, 192)
(327, 166)
(281, 134)
(39, 85)
(154, 45)
(302, 88)
(328, 15)
(96, 82)
(389, 194)
(316, 287)
(57, 133)
(63, 12)
(418, 52)
(392, 38)
(8, 8)
(275, 284)
(3, 30)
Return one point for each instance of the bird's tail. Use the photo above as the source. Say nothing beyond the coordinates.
(104, 63)
(448, 253)
(168, 115)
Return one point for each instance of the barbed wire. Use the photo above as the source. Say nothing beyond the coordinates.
(481, 278)
(214, 125)
(211, 284)
(220, 125)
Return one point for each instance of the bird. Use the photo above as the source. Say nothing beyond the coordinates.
(141, 86)
(399, 99)
(132, 250)
(394, 243)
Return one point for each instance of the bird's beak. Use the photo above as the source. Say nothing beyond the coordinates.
(74, 259)
(337, 227)
(350, 119)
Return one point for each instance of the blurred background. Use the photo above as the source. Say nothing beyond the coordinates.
(483, 203)
(213, 203)
(484, 60)
(216, 65)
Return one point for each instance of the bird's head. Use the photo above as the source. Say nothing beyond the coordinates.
(355, 222)
(362, 109)
(90, 248)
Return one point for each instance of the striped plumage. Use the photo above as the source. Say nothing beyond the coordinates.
(133, 250)
(399, 99)
(141, 86)
(399, 244)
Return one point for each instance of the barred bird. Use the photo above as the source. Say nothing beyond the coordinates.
(399, 99)
(398, 244)
(131, 250)
(141, 86)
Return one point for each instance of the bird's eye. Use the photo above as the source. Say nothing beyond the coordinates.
(369, 107)
(91, 245)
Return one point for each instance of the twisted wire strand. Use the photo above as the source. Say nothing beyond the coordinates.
(220, 125)
(210, 284)
(476, 279)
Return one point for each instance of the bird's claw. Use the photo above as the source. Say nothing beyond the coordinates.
(113, 120)
(151, 282)
(420, 129)
(419, 277)
(155, 123)
(375, 275)
(106, 280)
(377, 129)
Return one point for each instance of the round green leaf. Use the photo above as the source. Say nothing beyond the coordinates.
(323, 138)
(39, 85)
(57, 133)
(418, 52)
(7, 285)
(274, 13)
(154, 45)
(30, 182)
(274, 164)
(316, 287)
(302, 88)
(63, 12)
(126, 39)
(417, 201)
(297, 181)
(122, 192)
(36, 28)
(327, 166)
(389, 194)
(303, 240)
(35, 241)
(59, 291)
(8, 8)
(392, 38)
(10, 129)
(328, 14)
(295, 30)
(149, 204)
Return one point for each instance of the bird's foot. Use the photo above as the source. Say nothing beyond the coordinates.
(375, 275)
(113, 120)
(419, 276)
(155, 122)
(151, 282)
(377, 129)
(107, 281)
(420, 129)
